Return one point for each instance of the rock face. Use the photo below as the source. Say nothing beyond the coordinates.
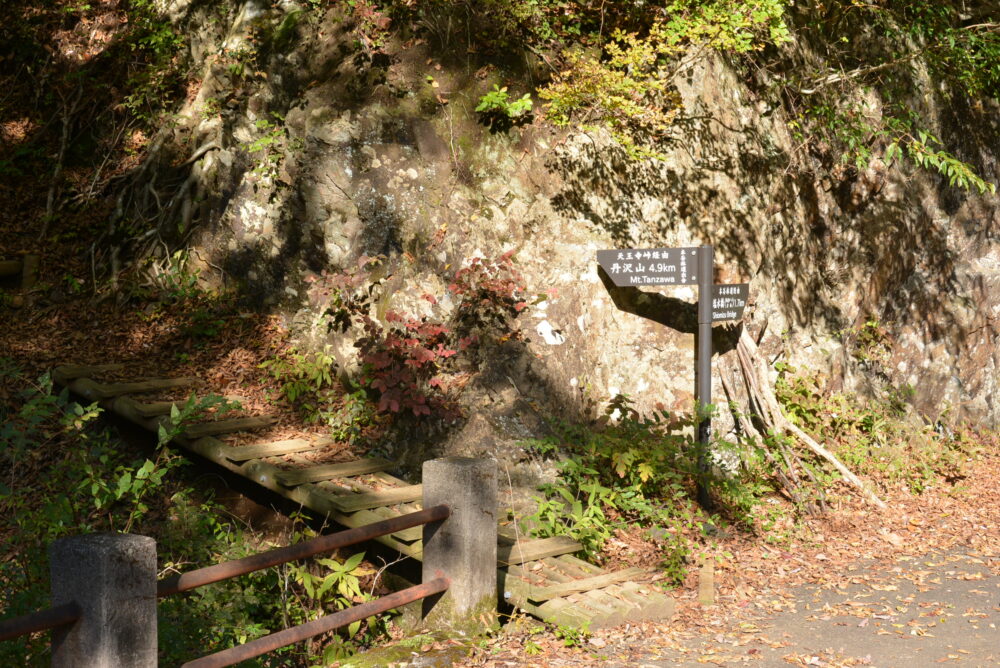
(880, 279)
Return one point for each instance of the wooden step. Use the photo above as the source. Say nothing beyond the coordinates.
(349, 503)
(611, 612)
(530, 550)
(111, 390)
(506, 535)
(562, 612)
(242, 453)
(228, 426)
(651, 603)
(585, 584)
(158, 408)
(64, 373)
(656, 604)
(406, 540)
(575, 565)
(293, 477)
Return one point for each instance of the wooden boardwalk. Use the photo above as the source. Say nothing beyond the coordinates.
(538, 576)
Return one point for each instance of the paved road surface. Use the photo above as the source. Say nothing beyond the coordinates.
(939, 609)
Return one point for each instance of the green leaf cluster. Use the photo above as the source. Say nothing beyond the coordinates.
(64, 473)
(637, 471)
(498, 102)
(885, 67)
(624, 83)
(878, 437)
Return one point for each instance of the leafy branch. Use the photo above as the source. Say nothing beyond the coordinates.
(921, 151)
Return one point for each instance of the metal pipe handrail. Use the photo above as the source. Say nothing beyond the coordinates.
(230, 569)
(50, 618)
(269, 643)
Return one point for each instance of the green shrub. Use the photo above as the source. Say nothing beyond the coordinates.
(501, 112)
(877, 437)
(625, 85)
(636, 471)
(68, 475)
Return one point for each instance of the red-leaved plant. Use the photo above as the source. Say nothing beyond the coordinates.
(405, 361)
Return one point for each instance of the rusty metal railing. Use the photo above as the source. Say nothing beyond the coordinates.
(269, 643)
(256, 562)
(70, 613)
(43, 620)
(229, 657)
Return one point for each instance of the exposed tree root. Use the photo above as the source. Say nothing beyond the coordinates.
(765, 408)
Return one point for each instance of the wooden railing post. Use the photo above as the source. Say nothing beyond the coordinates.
(463, 547)
(112, 578)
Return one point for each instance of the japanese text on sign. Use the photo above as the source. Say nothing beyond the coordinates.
(728, 301)
(650, 266)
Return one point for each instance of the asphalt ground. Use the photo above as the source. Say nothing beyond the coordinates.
(941, 608)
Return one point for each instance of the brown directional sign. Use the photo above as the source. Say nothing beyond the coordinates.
(728, 301)
(650, 266)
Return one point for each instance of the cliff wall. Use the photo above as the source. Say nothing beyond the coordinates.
(308, 152)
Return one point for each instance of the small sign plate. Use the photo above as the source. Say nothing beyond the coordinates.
(651, 266)
(728, 301)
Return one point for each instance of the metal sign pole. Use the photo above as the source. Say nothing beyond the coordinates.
(635, 267)
(703, 371)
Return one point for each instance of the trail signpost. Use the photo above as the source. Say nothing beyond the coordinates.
(635, 267)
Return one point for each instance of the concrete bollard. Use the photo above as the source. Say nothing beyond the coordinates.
(112, 577)
(464, 546)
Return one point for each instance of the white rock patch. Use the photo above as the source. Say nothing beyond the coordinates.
(549, 334)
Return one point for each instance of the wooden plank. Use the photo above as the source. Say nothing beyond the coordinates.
(616, 608)
(157, 408)
(656, 606)
(528, 573)
(10, 267)
(615, 611)
(561, 612)
(411, 507)
(644, 608)
(586, 584)
(294, 477)
(111, 390)
(382, 476)
(634, 606)
(586, 613)
(349, 503)
(228, 426)
(411, 535)
(574, 565)
(506, 535)
(242, 453)
(64, 373)
(511, 587)
(530, 550)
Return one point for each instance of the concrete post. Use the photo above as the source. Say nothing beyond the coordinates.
(112, 577)
(464, 546)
